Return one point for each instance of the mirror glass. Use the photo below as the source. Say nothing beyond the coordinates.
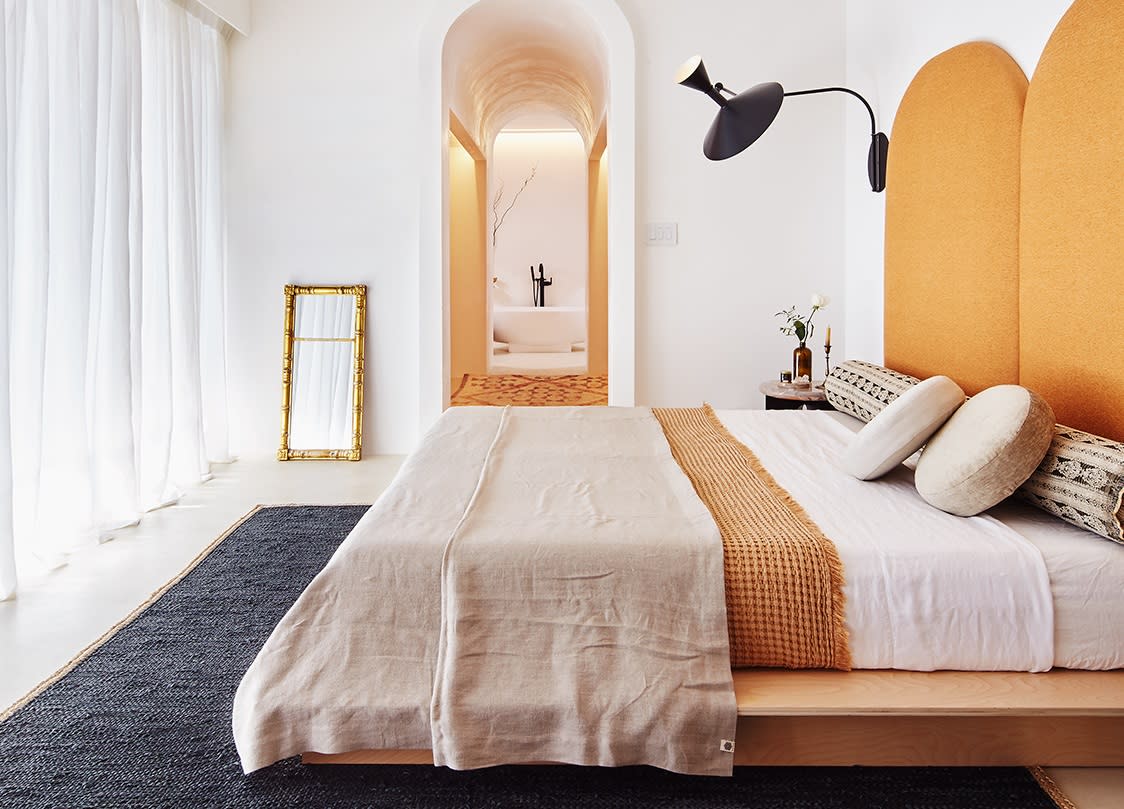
(321, 409)
(322, 374)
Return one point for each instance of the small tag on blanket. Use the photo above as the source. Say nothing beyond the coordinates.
(727, 746)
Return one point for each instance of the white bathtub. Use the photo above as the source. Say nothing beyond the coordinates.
(538, 329)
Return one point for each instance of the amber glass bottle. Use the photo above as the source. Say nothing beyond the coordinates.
(801, 362)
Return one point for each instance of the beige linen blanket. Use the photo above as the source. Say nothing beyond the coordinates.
(537, 585)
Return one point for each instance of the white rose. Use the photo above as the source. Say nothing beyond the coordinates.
(820, 301)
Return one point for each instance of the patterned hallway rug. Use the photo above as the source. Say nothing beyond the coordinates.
(531, 391)
(143, 719)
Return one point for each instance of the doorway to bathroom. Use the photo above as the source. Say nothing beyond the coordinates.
(538, 235)
(528, 208)
(528, 267)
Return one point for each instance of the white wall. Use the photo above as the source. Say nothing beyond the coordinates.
(550, 221)
(758, 232)
(320, 191)
(323, 135)
(235, 12)
(887, 43)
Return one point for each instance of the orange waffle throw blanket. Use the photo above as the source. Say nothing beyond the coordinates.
(784, 580)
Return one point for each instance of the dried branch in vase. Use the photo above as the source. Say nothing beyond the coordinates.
(497, 200)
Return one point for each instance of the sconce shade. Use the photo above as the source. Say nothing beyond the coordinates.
(743, 119)
(692, 73)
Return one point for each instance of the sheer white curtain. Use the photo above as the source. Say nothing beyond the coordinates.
(7, 80)
(112, 320)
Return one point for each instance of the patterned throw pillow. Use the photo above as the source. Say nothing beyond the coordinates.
(864, 389)
(1081, 481)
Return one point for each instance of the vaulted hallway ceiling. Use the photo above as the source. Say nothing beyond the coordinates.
(505, 59)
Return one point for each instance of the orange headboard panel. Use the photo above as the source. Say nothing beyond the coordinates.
(952, 220)
(1072, 232)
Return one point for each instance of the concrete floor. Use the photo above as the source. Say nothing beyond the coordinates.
(59, 613)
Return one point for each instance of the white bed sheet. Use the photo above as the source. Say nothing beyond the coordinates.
(924, 590)
(1085, 572)
(1087, 582)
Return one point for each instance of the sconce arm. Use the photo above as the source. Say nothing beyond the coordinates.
(869, 109)
(879, 143)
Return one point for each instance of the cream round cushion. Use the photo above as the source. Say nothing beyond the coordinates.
(986, 450)
(901, 428)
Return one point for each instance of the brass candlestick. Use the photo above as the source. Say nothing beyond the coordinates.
(827, 360)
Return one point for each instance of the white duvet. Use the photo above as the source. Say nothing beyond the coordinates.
(925, 590)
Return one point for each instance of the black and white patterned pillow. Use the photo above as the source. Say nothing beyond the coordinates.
(863, 389)
(1081, 480)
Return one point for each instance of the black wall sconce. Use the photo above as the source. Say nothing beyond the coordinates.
(745, 116)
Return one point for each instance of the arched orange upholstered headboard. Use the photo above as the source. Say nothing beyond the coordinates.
(1071, 342)
(952, 220)
(970, 291)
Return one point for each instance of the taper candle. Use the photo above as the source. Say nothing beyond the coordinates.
(827, 340)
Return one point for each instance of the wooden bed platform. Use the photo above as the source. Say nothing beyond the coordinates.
(892, 718)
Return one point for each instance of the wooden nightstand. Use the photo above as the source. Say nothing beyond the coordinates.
(779, 396)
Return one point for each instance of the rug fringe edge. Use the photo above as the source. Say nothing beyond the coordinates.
(1051, 788)
(128, 619)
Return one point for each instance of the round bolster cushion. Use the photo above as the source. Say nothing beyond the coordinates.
(986, 450)
(902, 427)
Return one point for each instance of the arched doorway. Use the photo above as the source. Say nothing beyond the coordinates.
(609, 28)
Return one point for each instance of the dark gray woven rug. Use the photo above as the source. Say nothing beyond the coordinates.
(145, 720)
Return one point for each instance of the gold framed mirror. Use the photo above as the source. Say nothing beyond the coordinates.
(322, 373)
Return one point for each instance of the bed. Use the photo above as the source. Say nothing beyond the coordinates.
(1004, 648)
(346, 673)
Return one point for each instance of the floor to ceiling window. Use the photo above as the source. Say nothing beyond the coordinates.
(112, 242)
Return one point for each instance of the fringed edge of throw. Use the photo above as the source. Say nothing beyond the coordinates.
(842, 650)
(1051, 788)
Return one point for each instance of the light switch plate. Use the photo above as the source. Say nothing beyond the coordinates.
(663, 234)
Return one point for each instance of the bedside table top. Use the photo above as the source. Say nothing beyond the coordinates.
(782, 390)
